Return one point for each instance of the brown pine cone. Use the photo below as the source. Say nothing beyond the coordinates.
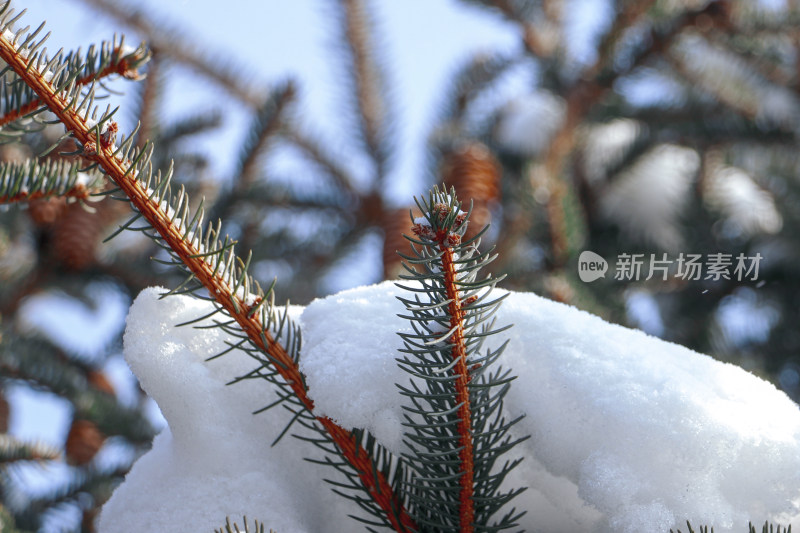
(83, 442)
(395, 223)
(78, 233)
(45, 212)
(475, 173)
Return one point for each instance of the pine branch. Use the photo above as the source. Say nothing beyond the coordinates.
(312, 149)
(766, 528)
(461, 372)
(627, 17)
(456, 430)
(581, 98)
(748, 50)
(211, 262)
(149, 95)
(369, 82)
(532, 37)
(167, 41)
(113, 58)
(41, 364)
(94, 482)
(189, 126)
(472, 80)
(13, 450)
(31, 180)
(266, 124)
(742, 96)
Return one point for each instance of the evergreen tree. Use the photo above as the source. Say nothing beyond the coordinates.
(675, 138)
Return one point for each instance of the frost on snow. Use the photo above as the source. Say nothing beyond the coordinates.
(629, 433)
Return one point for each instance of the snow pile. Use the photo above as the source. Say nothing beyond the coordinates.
(629, 433)
(214, 460)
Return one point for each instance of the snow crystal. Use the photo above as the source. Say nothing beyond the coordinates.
(8, 35)
(628, 432)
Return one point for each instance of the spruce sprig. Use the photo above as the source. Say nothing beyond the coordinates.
(457, 431)
(20, 101)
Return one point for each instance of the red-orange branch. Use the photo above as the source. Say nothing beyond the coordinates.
(122, 68)
(118, 170)
(467, 480)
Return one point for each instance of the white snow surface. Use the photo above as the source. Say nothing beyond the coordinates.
(628, 432)
(214, 460)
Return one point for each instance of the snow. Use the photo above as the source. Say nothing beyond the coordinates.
(747, 208)
(628, 432)
(647, 199)
(605, 145)
(528, 123)
(214, 460)
(126, 50)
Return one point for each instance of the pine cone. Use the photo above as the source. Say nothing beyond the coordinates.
(83, 442)
(475, 173)
(79, 232)
(395, 223)
(46, 211)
